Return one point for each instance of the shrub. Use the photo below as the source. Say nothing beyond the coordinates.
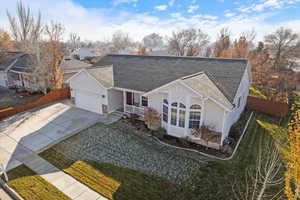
(160, 132)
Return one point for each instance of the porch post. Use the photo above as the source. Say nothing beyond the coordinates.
(223, 126)
(169, 112)
(124, 100)
(202, 111)
(187, 114)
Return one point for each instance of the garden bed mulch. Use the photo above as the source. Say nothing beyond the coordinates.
(234, 135)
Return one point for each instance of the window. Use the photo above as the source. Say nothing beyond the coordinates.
(195, 107)
(195, 116)
(174, 104)
(178, 114)
(174, 116)
(181, 122)
(144, 101)
(239, 102)
(165, 113)
(166, 101)
(181, 105)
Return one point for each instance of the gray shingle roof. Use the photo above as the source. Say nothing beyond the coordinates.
(16, 61)
(145, 73)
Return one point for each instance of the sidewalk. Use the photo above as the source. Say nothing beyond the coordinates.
(4, 195)
(65, 183)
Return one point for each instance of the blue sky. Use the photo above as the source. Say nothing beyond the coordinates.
(98, 19)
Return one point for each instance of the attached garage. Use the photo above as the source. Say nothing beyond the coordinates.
(89, 101)
(89, 89)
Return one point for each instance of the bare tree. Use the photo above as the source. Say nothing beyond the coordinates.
(27, 32)
(74, 41)
(55, 31)
(153, 41)
(283, 46)
(266, 180)
(187, 42)
(223, 42)
(25, 29)
(120, 41)
(55, 52)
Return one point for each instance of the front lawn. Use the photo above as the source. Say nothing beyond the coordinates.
(31, 186)
(219, 179)
(116, 182)
(212, 180)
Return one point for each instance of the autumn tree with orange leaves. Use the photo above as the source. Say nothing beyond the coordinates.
(292, 174)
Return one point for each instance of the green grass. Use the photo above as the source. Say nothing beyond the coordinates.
(31, 186)
(116, 182)
(217, 180)
(212, 181)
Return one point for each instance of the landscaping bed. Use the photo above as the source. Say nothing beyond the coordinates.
(116, 182)
(234, 135)
(31, 186)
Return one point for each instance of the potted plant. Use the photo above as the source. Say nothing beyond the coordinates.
(152, 119)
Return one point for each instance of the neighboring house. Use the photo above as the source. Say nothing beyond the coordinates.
(15, 71)
(71, 66)
(83, 53)
(188, 92)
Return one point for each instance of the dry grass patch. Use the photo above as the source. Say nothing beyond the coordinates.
(31, 186)
(116, 182)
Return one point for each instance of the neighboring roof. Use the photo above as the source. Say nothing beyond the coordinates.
(9, 58)
(83, 53)
(22, 64)
(73, 65)
(16, 61)
(102, 74)
(67, 76)
(145, 73)
(204, 84)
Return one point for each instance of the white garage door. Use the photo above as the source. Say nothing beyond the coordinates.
(88, 101)
(2, 80)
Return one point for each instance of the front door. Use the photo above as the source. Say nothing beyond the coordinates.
(129, 98)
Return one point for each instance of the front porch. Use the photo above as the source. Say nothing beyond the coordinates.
(133, 103)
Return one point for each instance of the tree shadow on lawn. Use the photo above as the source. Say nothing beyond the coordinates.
(219, 179)
(31, 186)
(117, 183)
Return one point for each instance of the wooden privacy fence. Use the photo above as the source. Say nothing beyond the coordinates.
(277, 109)
(52, 96)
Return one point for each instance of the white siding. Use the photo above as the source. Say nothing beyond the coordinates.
(115, 99)
(234, 115)
(213, 115)
(3, 79)
(89, 93)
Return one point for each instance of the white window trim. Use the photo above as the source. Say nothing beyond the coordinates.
(178, 108)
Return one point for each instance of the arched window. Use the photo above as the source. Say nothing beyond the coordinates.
(195, 116)
(195, 107)
(178, 114)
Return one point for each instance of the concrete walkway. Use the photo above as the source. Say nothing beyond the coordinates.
(40, 128)
(65, 183)
(4, 195)
(24, 135)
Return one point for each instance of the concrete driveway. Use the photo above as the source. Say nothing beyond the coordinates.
(36, 130)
